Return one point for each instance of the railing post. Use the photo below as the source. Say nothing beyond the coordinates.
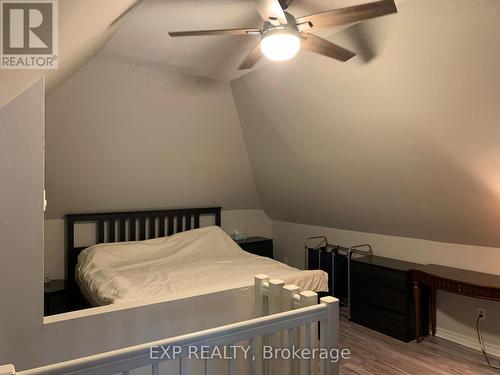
(289, 293)
(257, 344)
(331, 332)
(7, 370)
(289, 336)
(275, 296)
(275, 305)
(259, 294)
(309, 334)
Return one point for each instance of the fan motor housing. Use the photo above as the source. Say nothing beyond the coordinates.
(292, 24)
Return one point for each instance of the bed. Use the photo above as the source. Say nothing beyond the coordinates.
(167, 254)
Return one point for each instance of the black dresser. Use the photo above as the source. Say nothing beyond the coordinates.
(382, 299)
(257, 245)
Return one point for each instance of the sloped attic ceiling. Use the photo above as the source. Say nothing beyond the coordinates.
(405, 145)
(143, 39)
(84, 27)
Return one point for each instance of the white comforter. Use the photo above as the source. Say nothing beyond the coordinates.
(189, 263)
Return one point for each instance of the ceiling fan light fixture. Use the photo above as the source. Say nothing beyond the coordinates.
(280, 44)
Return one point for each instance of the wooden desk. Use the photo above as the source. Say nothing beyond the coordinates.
(453, 280)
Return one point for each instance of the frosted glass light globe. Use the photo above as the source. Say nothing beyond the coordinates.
(280, 45)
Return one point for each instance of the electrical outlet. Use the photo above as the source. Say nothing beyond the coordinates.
(481, 312)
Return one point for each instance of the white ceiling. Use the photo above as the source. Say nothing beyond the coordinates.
(143, 38)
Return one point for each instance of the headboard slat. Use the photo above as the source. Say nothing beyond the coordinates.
(218, 220)
(152, 227)
(188, 222)
(170, 230)
(142, 229)
(100, 231)
(161, 226)
(131, 229)
(112, 231)
(123, 233)
(196, 221)
(179, 223)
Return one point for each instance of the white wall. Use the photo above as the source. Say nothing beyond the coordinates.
(456, 314)
(122, 136)
(250, 222)
(21, 215)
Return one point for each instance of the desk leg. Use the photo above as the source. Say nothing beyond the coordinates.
(416, 300)
(433, 310)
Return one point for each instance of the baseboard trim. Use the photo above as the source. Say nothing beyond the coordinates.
(469, 342)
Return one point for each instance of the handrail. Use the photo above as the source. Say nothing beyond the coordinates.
(235, 332)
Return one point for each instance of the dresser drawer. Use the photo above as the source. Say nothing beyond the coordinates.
(388, 298)
(386, 277)
(379, 319)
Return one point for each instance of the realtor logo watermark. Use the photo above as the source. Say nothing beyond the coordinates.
(29, 34)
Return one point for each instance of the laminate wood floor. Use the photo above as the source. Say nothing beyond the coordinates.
(373, 353)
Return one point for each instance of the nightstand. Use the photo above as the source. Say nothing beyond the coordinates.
(257, 245)
(56, 297)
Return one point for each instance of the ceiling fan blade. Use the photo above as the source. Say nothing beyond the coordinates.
(344, 16)
(126, 12)
(248, 31)
(271, 10)
(252, 59)
(322, 46)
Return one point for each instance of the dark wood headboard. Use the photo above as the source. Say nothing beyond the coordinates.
(132, 226)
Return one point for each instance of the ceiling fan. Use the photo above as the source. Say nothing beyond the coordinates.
(283, 35)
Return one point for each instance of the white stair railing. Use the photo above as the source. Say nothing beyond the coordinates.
(288, 318)
(271, 297)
